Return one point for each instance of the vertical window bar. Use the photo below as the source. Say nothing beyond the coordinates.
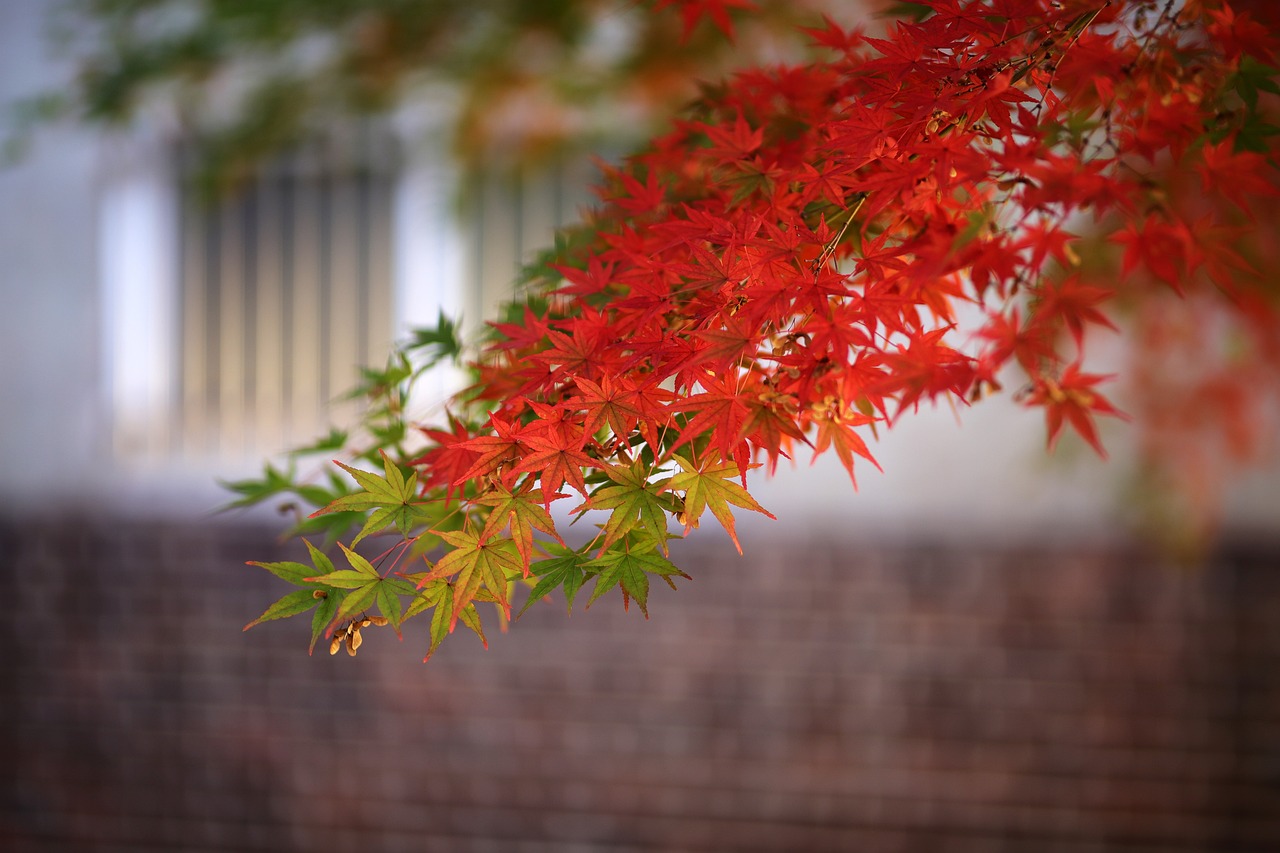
(381, 315)
(286, 289)
(191, 306)
(305, 404)
(248, 216)
(267, 316)
(284, 197)
(231, 295)
(343, 334)
(213, 326)
(325, 187)
(363, 227)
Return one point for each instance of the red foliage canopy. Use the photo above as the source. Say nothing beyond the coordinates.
(785, 267)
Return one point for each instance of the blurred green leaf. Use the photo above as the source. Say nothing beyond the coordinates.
(335, 441)
(254, 491)
(436, 344)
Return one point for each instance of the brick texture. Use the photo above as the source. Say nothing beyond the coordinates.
(812, 696)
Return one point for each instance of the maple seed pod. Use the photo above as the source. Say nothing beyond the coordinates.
(319, 594)
(353, 641)
(335, 644)
(378, 620)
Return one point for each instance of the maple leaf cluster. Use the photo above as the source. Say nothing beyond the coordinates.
(784, 270)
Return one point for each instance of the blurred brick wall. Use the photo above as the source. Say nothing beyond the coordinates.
(812, 696)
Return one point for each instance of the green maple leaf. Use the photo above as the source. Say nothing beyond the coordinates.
(298, 601)
(427, 593)
(294, 573)
(326, 598)
(476, 563)
(629, 566)
(523, 512)
(563, 567)
(366, 588)
(391, 497)
(710, 485)
(329, 604)
(635, 503)
(438, 594)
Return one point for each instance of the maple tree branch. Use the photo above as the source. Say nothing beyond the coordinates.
(681, 339)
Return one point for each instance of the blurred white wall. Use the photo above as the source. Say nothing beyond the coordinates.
(52, 421)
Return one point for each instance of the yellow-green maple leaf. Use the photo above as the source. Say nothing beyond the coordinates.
(476, 562)
(711, 485)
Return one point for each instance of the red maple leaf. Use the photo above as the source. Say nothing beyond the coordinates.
(837, 431)
(1166, 249)
(721, 410)
(693, 11)
(1074, 303)
(638, 198)
(734, 142)
(926, 368)
(447, 463)
(1008, 336)
(1236, 174)
(557, 457)
(832, 35)
(606, 404)
(495, 453)
(1071, 399)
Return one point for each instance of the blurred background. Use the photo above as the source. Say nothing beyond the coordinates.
(223, 209)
